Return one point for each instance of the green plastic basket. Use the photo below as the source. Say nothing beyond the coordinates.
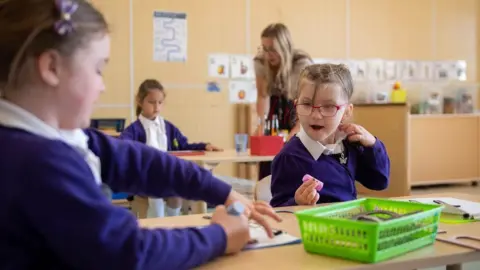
(329, 230)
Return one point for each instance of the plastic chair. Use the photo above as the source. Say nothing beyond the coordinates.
(263, 191)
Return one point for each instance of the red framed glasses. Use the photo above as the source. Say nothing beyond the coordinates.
(325, 110)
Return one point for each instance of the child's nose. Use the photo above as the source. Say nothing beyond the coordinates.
(316, 113)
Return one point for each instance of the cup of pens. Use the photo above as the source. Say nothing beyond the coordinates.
(241, 142)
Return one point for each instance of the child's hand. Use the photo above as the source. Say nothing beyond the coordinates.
(307, 193)
(356, 133)
(236, 228)
(212, 148)
(256, 211)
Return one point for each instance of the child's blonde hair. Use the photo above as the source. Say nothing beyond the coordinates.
(30, 28)
(322, 74)
(283, 44)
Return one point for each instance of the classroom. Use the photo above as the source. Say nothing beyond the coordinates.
(396, 189)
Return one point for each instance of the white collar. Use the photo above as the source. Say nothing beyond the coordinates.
(316, 149)
(14, 116)
(149, 122)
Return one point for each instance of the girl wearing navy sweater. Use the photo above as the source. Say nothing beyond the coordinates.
(53, 214)
(327, 148)
(153, 130)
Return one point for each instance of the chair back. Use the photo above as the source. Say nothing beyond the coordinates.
(262, 189)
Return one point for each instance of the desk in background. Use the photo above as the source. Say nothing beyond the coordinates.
(294, 256)
(211, 159)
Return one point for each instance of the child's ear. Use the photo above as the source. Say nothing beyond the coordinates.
(348, 113)
(49, 65)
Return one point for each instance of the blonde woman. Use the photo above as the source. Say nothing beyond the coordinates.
(277, 68)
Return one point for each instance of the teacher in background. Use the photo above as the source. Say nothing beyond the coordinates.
(277, 67)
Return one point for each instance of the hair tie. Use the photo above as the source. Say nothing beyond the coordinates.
(64, 25)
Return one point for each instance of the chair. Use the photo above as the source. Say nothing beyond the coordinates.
(263, 191)
(116, 124)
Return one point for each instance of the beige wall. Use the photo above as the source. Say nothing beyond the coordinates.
(393, 29)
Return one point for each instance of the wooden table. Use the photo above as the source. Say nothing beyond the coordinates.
(294, 256)
(211, 160)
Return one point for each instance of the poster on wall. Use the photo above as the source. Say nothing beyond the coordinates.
(169, 36)
(242, 92)
(241, 67)
(219, 65)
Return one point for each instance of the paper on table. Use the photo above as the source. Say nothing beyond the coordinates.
(472, 208)
(263, 241)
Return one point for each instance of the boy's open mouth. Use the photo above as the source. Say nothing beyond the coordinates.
(316, 127)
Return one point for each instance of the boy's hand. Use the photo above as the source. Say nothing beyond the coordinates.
(212, 148)
(356, 133)
(307, 193)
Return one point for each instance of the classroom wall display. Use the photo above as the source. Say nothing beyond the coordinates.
(426, 70)
(404, 70)
(213, 86)
(375, 70)
(242, 91)
(219, 65)
(241, 67)
(169, 36)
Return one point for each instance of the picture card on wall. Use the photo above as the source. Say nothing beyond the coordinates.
(361, 70)
(459, 70)
(320, 60)
(357, 69)
(442, 70)
(213, 86)
(241, 67)
(242, 92)
(390, 70)
(219, 65)
(375, 70)
(337, 61)
(425, 70)
(407, 70)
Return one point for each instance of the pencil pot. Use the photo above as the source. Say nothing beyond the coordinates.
(368, 230)
(265, 145)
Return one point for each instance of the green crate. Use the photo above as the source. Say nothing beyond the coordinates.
(328, 230)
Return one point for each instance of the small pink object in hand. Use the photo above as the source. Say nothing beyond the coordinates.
(319, 183)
